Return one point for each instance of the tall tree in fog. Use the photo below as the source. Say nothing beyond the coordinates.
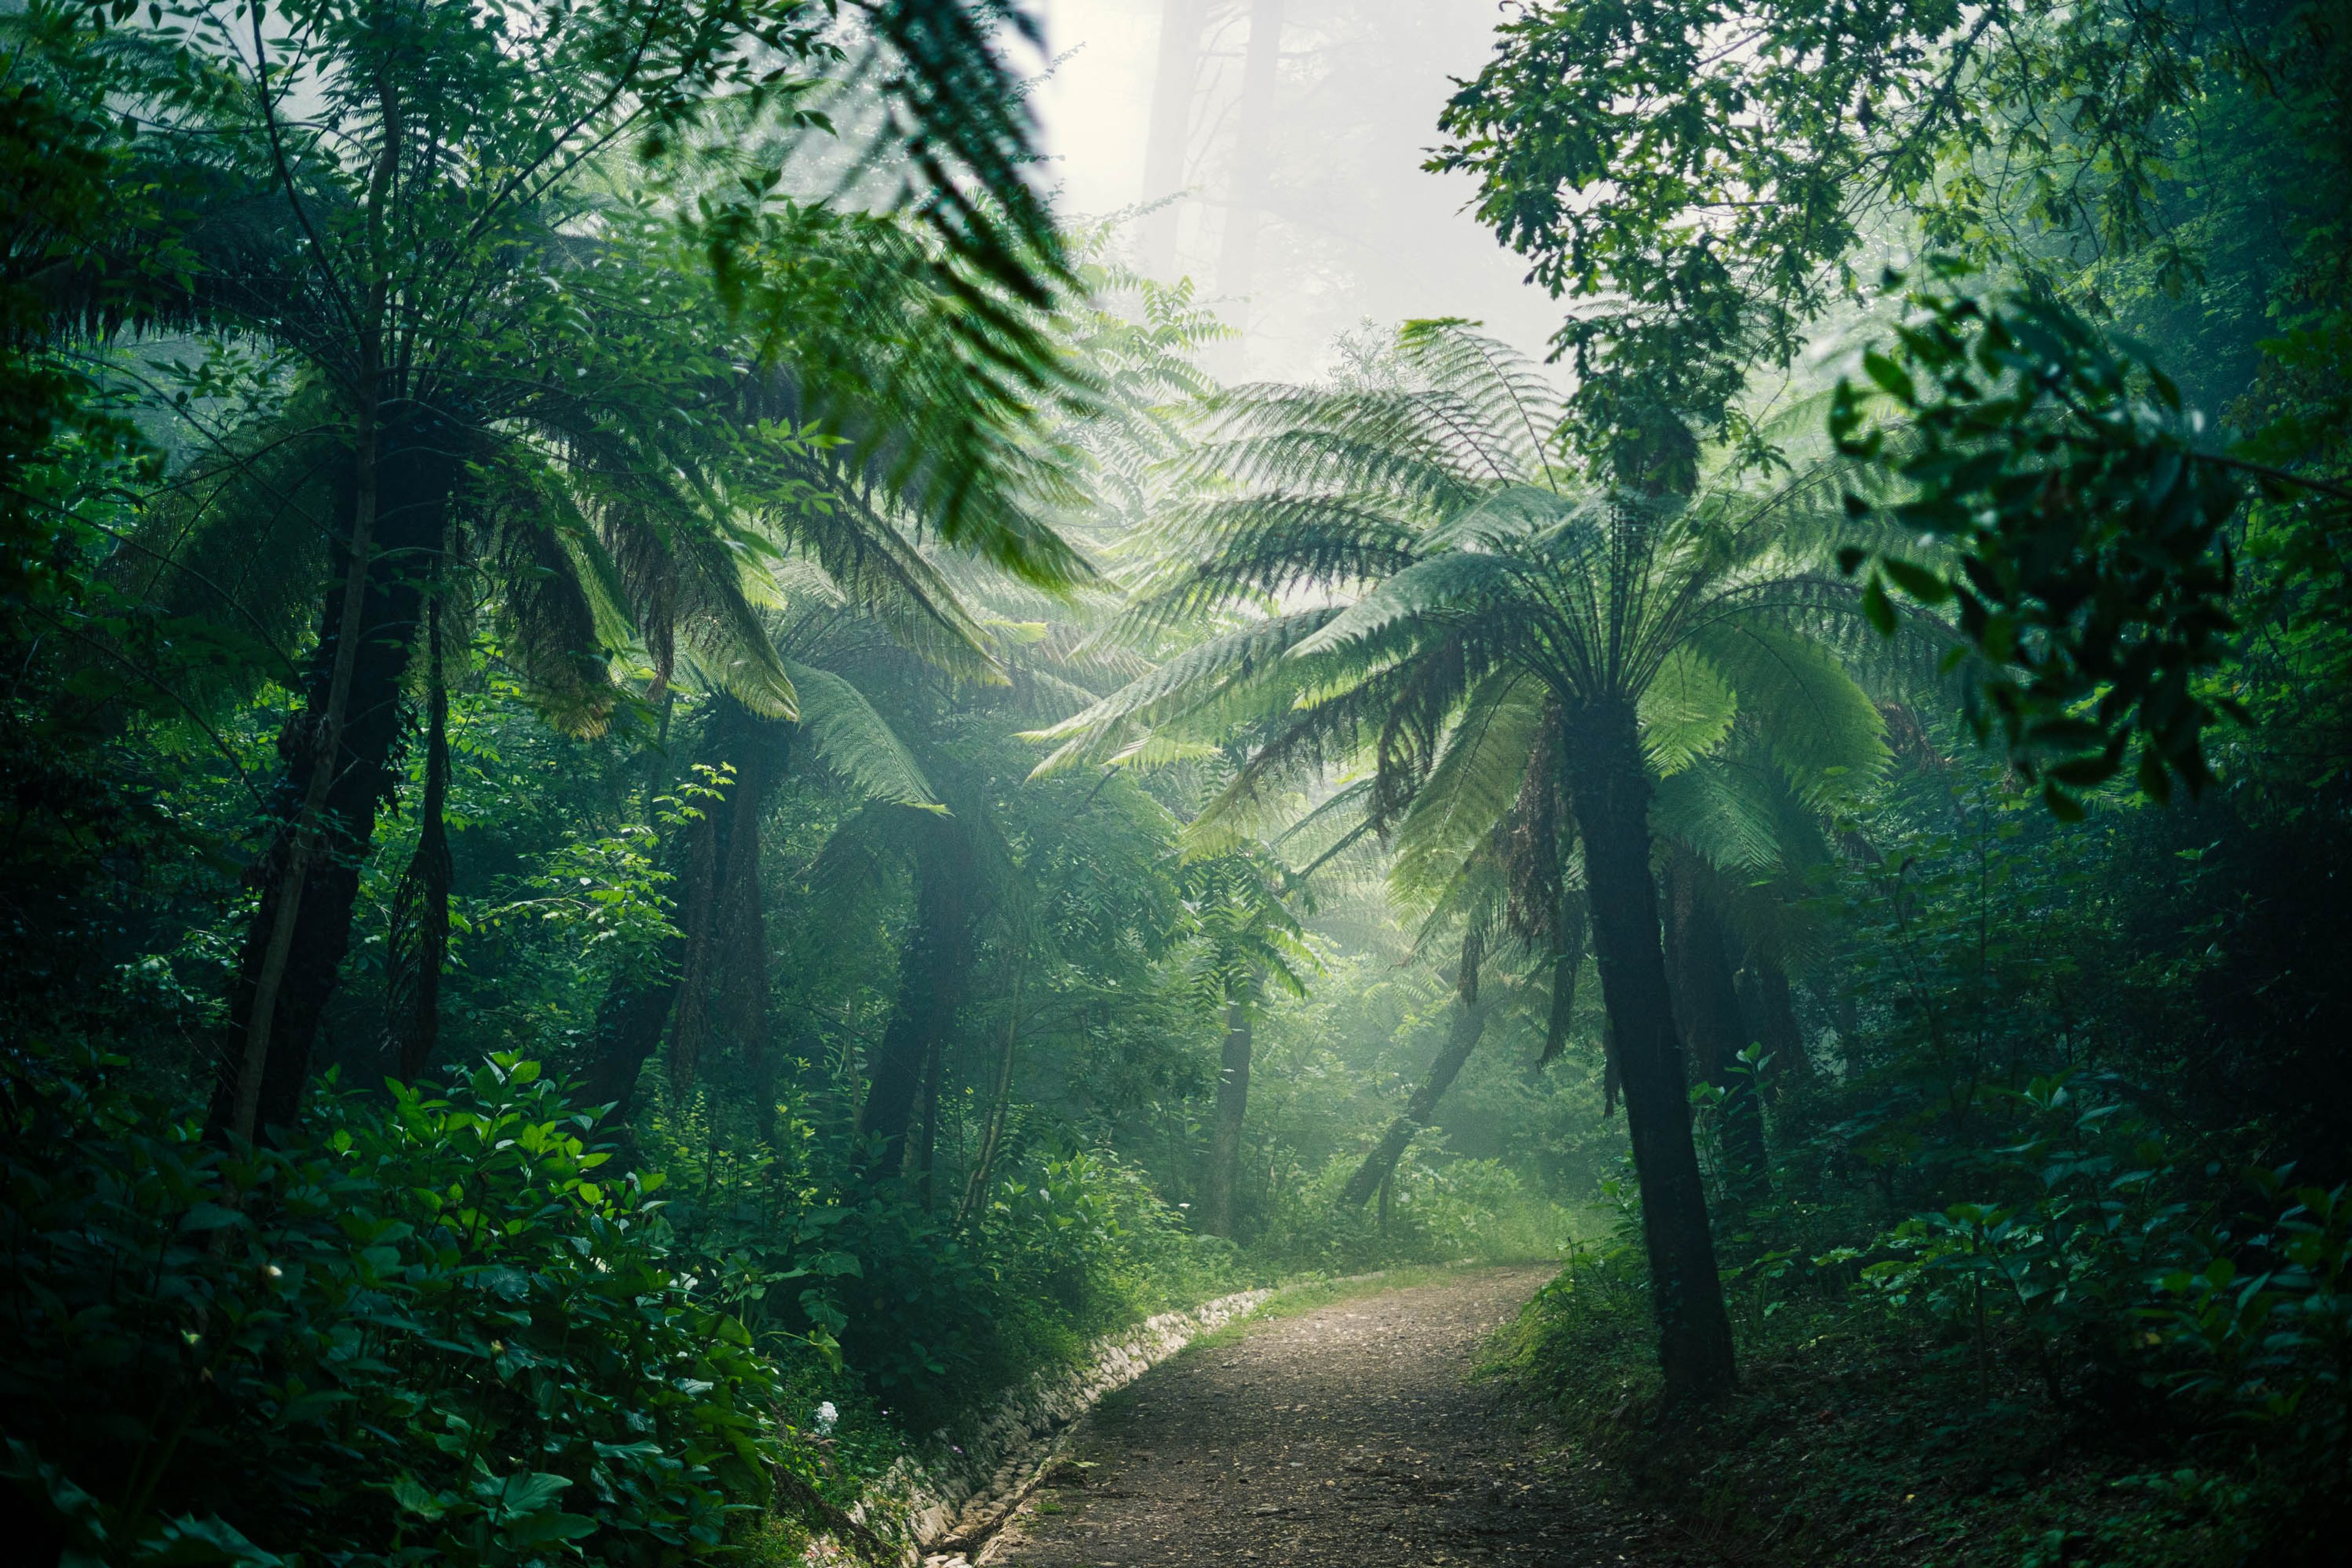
(1174, 85)
(1456, 591)
(1253, 158)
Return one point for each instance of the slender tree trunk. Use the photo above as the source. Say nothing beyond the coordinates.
(1000, 1102)
(1707, 997)
(1847, 1017)
(420, 919)
(926, 1156)
(1174, 86)
(1611, 788)
(339, 773)
(1461, 1039)
(725, 919)
(1770, 1011)
(1226, 1142)
(629, 1024)
(741, 1008)
(698, 908)
(933, 973)
(1252, 159)
(644, 1003)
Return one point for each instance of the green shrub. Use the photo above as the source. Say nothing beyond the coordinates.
(1440, 1212)
(1069, 1246)
(420, 1333)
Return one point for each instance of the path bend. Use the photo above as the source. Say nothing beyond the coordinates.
(1349, 1435)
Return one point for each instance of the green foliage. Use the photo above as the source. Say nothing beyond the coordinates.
(1439, 1211)
(1698, 200)
(63, 192)
(2091, 579)
(421, 1331)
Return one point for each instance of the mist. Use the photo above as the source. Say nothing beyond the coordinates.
(1293, 196)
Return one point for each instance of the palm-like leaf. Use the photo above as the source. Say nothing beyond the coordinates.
(856, 742)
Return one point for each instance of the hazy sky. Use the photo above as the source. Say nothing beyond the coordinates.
(1354, 229)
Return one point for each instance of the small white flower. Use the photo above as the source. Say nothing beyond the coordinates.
(825, 1416)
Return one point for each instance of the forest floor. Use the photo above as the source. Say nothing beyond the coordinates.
(1351, 1432)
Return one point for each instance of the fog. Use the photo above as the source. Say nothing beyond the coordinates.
(1295, 195)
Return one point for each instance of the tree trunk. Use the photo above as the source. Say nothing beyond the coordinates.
(926, 1156)
(339, 757)
(1226, 1143)
(933, 973)
(1765, 1002)
(724, 923)
(700, 856)
(1613, 1077)
(1000, 1102)
(1246, 201)
(740, 1011)
(1461, 1039)
(708, 839)
(420, 910)
(1707, 997)
(1610, 789)
(1174, 86)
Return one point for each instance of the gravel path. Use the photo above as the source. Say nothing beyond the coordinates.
(1349, 1435)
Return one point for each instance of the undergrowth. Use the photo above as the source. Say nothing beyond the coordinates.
(2098, 1373)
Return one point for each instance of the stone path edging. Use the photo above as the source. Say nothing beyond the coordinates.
(951, 1500)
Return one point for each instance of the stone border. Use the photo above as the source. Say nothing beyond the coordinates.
(952, 1502)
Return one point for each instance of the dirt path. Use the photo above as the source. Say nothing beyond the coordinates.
(1347, 1435)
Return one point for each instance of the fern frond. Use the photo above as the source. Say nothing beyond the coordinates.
(856, 742)
(1727, 815)
(1477, 777)
(1686, 712)
(1827, 737)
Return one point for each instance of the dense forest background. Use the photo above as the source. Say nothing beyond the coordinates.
(687, 784)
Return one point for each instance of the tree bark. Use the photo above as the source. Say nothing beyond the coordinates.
(1610, 787)
(724, 923)
(338, 760)
(1565, 965)
(1174, 89)
(420, 920)
(1253, 140)
(934, 972)
(1000, 1102)
(926, 1156)
(1707, 997)
(1770, 1011)
(638, 1010)
(1462, 1035)
(1226, 1142)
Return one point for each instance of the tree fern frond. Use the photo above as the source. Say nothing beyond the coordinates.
(1685, 711)
(1452, 581)
(1726, 815)
(1189, 680)
(1252, 549)
(1824, 734)
(856, 742)
(1511, 394)
(1478, 776)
